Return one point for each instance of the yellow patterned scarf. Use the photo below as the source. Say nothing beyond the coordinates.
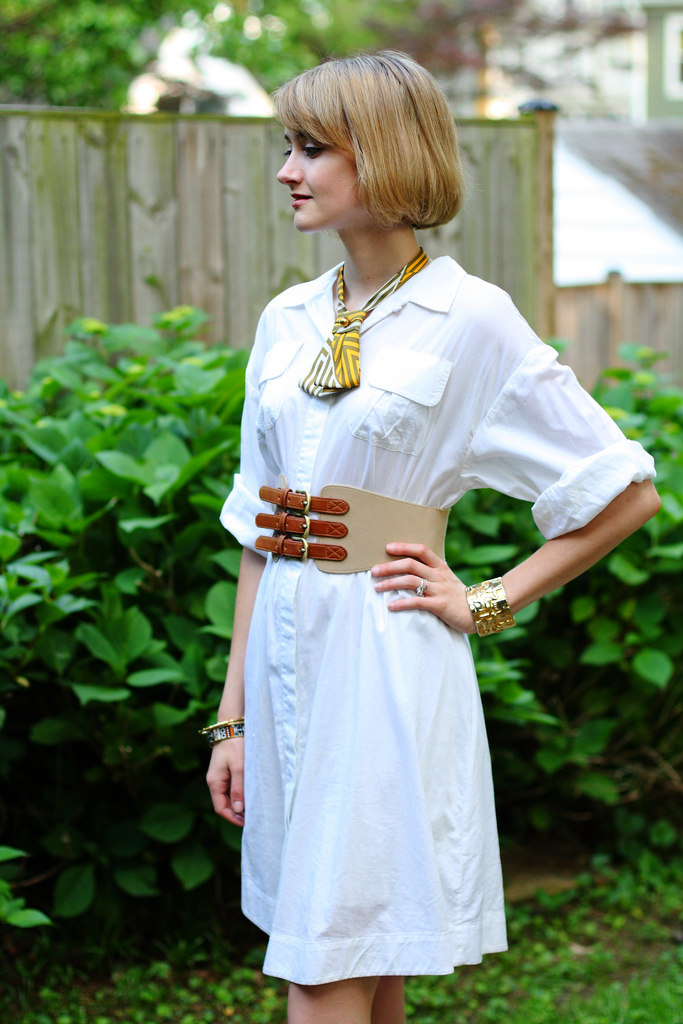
(337, 366)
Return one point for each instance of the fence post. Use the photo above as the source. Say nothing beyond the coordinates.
(545, 315)
(616, 294)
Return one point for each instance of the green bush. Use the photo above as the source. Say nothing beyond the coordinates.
(601, 655)
(117, 587)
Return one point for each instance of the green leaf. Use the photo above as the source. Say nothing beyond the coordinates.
(624, 570)
(192, 865)
(155, 676)
(21, 604)
(11, 853)
(28, 918)
(124, 466)
(28, 571)
(74, 891)
(599, 787)
(601, 654)
(654, 666)
(662, 833)
(166, 716)
(57, 498)
(230, 834)
(167, 449)
(220, 607)
(550, 760)
(198, 462)
(490, 554)
(128, 580)
(193, 380)
(167, 822)
(666, 551)
(9, 545)
(137, 880)
(528, 614)
(51, 731)
(99, 646)
(593, 736)
(104, 694)
(151, 523)
(164, 479)
(602, 629)
(229, 560)
(130, 634)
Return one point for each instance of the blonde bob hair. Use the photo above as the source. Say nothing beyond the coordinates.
(387, 111)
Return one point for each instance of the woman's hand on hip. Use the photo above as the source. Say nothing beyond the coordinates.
(435, 586)
(225, 779)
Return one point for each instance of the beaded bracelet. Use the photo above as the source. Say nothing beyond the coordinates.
(233, 728)
(489, 606)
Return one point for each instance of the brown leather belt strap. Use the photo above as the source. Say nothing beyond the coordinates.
(369, 522)
(298, 547)
(302, 501)
(283, 522)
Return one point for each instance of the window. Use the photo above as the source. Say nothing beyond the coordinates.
(673, 57)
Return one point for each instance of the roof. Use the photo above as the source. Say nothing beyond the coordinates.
(600, 227)
(647, 159)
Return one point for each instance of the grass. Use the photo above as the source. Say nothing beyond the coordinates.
(607, 951)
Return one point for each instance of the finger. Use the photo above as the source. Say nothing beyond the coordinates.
(222, 804)
(237, 792)
(421, 552)
(402, 604)
(399, 583)
(403, 566)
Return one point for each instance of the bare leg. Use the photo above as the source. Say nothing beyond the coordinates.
(339, 1002)
(388, 1006)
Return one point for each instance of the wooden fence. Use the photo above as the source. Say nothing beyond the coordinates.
(597, 319)
(118, 217)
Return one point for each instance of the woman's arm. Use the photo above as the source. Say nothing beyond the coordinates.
(551, 566)
(225, 777)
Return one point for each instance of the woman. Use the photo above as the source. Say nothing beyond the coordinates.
(370, 848)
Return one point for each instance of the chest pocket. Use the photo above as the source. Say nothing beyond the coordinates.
(402, 403)
(273, 383)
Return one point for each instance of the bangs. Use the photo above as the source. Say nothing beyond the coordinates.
(311, 108)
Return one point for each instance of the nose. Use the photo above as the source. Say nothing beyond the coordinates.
(290, 172)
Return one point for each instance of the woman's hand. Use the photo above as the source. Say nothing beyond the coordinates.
(225, 779)
(443, 594)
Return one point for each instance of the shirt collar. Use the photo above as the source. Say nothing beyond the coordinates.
(433, 288)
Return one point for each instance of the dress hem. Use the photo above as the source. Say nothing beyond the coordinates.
(318, 962)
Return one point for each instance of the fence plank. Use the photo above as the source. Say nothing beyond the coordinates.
(103, 206)
(153, 217)
(246, 228)
(16, 299)
(200, 223)
(55, 263)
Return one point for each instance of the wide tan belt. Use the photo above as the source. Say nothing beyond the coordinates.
(369, 522)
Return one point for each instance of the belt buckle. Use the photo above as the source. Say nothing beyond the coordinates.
(307, 525)
(304, 548)
(307, 506)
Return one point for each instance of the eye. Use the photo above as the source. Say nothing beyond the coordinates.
(312, 151)
(287, 153)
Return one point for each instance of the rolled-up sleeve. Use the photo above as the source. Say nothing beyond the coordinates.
(243, 503)
(545, 440)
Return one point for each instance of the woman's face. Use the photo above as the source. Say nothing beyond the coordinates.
(323, 183)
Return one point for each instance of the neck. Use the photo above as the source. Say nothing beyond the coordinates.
(372, 258)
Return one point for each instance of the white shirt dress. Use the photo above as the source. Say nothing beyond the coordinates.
(370, 843)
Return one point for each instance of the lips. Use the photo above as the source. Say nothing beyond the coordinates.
(298, 198)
